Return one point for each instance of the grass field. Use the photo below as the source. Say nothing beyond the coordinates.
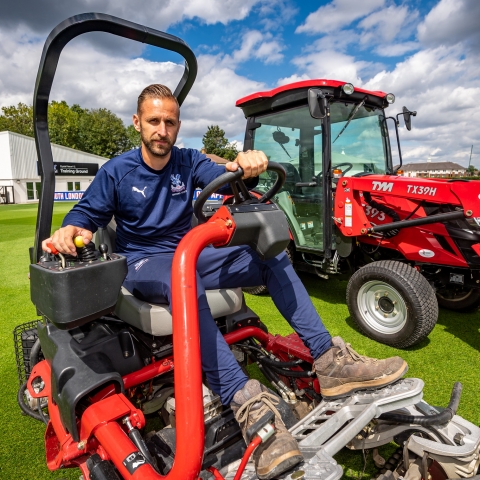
(452, 352)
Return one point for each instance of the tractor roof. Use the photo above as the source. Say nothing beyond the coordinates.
(292, 93)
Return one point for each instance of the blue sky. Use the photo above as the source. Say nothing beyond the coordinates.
(426, 52)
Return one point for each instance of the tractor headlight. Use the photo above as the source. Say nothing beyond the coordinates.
(348, 88)
(390, 97)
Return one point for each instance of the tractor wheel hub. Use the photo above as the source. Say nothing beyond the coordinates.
(386, 305)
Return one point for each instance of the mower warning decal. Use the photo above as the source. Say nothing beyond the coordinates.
(421, 190)
(133, 461)
(382, 186)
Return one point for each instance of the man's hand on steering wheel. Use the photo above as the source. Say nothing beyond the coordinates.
(252, 162)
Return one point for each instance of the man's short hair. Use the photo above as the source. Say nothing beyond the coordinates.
(156, 90)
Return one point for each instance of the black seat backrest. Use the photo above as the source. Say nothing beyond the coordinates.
(107, 235)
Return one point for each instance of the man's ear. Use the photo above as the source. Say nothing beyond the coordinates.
(136, 122)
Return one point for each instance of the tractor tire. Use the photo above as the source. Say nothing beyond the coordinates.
(392, 303)
(262, 289)
(463, 301)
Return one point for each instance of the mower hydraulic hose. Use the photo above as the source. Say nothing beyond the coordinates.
(35, 353)
(293, 373)
(441, 217)
(276, 363)
(269, 374)
(439, 419)
(216, 474)
(280, 364)
(25, 409)
(250, 449)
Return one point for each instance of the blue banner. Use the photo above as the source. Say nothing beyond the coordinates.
(67, 196)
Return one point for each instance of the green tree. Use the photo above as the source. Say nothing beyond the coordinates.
(63, 124)
(471, 170)
(97, 131)
(134, 138)
(102, 133)
(214, 141)
(17, 119)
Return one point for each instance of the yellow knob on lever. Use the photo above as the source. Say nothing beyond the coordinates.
(78, 241)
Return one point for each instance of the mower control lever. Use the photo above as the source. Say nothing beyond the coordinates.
(52, 248)
(103, 249)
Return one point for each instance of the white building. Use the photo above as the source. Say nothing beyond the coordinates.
(19, 178)
(434, 170)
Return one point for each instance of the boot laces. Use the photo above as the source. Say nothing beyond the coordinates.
(268, 401)
(356, 357)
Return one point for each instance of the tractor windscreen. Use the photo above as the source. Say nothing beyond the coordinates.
(359, 139)
(294, 139)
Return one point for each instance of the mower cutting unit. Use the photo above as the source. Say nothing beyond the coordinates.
(404, 239)
(104, 368)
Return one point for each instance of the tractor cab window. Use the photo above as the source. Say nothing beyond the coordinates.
(294, 139)
(359, 139)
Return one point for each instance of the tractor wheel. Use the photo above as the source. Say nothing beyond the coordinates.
(261, 289)
(392, 303)
(463, 300)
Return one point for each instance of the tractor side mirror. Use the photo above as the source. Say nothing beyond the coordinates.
(407, 115)
(317, 103)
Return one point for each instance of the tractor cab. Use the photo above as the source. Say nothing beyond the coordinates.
(351, 139)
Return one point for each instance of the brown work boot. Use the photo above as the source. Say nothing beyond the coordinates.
(341, 370)
(280, 452)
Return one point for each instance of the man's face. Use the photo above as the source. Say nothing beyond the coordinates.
(158, 123)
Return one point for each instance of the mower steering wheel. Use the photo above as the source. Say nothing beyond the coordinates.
(239, 189)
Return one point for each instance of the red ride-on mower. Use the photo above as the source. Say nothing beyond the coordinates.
(104, 362)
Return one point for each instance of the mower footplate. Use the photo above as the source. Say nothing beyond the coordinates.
(334, 423)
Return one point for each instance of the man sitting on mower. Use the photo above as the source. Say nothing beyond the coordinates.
(149, 191)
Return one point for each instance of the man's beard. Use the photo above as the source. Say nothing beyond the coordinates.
(157, 150)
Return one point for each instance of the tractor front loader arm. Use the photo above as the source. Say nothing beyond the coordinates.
(354, 215)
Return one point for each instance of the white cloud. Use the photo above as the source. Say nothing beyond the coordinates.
(212, 99)
(333, 65)
(43, 15)
(339, 41)
(396, 49)
(384, 25)
(338, 14)
(293, 78)
(443, 86)
(256, 45)
(450, 22)
(95, 79)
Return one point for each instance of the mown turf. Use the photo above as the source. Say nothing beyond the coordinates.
(450, 354)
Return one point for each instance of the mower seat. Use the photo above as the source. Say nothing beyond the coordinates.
(156, 319)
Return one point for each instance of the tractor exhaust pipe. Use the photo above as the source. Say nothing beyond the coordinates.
(441, 217)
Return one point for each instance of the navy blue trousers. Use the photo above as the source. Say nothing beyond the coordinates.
(149, 280)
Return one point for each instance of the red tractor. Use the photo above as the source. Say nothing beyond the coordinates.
(406, 240)
(118, 381)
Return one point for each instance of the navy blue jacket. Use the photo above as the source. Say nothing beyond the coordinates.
(153, 209)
